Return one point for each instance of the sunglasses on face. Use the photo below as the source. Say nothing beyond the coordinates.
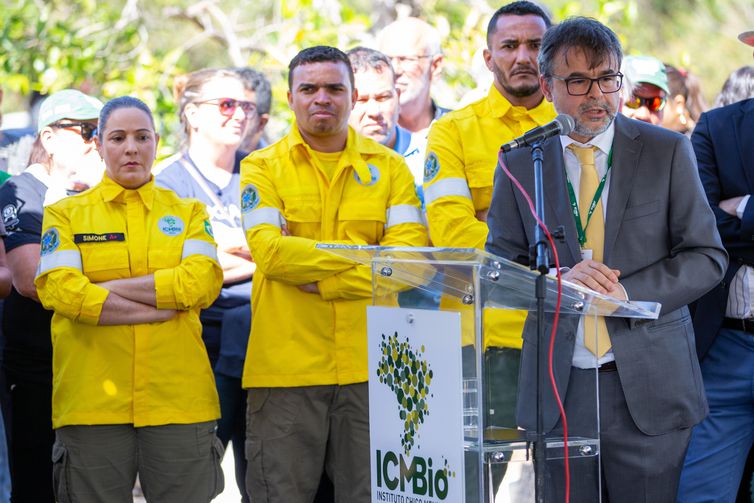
(228, 106)
(86, 130)
(653, 104)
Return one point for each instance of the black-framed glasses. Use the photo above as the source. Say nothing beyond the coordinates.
(228, 106)
(86, 129)
(580, 86)
(654, 104)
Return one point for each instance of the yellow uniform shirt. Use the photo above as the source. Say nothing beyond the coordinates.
(459, 170)
(146, 374)
(304, 339)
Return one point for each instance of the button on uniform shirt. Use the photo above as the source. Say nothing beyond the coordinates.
(145, 374)
(582, 357)
(305, 339)
(459, 170)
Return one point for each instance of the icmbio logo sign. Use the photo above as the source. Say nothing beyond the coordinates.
(415, 406)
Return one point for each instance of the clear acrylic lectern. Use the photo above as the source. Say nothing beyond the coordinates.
(489, 300)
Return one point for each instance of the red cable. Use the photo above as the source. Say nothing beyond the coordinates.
(554, 326)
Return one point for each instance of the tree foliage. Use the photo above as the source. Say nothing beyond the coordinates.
(115, 47)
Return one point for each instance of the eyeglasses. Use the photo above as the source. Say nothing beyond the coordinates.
(580, 86)
(406, 60)
(228, 106)
(654, 104)
(87, 130)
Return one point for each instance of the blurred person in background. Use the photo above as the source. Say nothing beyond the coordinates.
(5, 287)
(724, 317)
(738, 86)
(126, 267)
(413, 48)
(63, 154)
(258, 91)
(5, 149)
(645, 89)
(685, 101)
(15, 146)
(377, 107)
(217, 110)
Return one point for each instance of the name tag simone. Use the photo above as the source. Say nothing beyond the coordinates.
(99, 238)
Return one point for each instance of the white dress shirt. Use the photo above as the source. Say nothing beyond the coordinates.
(741, 294)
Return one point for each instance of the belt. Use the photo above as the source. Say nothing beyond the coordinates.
(608, 367)
(739, 324)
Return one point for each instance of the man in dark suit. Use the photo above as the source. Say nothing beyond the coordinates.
(724, 318)
(645, 232)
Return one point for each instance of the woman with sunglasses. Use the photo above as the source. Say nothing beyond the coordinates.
(216, 110)
(126, 266)
(63, 161)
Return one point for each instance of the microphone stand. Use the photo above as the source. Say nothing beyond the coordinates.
(539, 262)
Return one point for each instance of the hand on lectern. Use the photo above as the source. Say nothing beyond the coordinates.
(597, 276)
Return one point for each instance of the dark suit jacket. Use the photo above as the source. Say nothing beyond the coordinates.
(660, 233)
(723, 141)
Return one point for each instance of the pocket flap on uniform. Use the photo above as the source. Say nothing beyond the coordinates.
(303, 211)
(257, 397)
(58, 452)
(104, 257)
(364, 209)
(480, 174)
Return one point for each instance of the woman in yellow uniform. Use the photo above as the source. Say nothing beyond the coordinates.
(126, 266)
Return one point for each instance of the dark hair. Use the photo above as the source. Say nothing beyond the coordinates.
(598, 42)
(364, 59)
(738, 86)
(254, 80)
(676, 82)
(116, 104)
(38, 154)
(520, 8)
(686, 84)
(320, 54)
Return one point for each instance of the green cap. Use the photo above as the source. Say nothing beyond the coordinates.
(647, 70)
(67, 104)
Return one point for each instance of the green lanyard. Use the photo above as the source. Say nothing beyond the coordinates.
(581, 231)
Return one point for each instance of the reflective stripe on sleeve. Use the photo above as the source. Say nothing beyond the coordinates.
(199, 247)
(261, 216)
(62, 258)
(403, 214)
(446, 187)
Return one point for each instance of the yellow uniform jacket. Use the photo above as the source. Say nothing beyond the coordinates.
(303, 339)
(145, 374)
(459, 170)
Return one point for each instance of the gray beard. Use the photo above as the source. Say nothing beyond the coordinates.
(582, 130)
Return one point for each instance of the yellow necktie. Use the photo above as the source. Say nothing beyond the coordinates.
(596, 339)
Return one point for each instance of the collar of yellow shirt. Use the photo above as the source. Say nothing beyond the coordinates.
(111, 191)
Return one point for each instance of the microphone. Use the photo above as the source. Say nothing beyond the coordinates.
(563, 124)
